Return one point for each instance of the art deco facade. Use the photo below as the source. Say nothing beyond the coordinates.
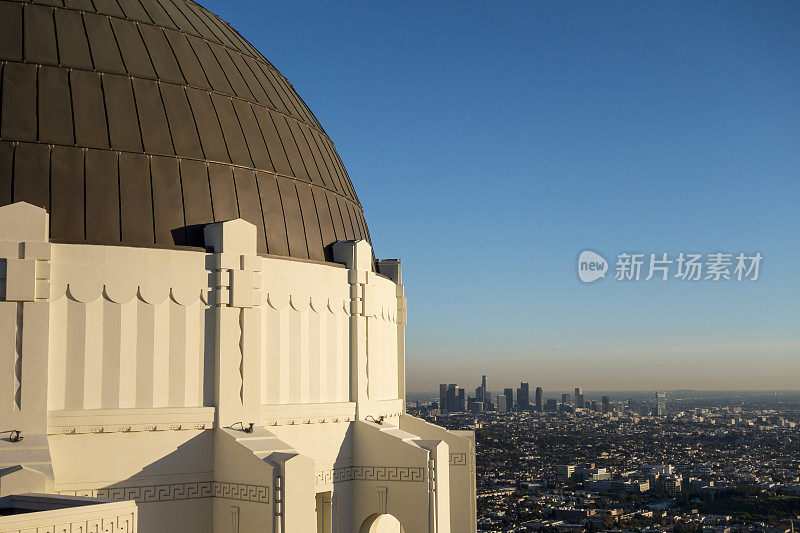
(194, 332)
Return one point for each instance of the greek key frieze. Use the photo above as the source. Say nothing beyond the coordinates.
(180, 491)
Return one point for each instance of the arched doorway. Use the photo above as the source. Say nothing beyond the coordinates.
(381, 523)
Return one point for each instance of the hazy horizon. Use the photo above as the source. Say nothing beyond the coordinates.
(590, 392)
(604, 365)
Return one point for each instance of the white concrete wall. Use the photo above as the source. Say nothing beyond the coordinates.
(305, 349)
(111, 516)
(126, 357)
(127, 328)
(170, 474)
(461, 471)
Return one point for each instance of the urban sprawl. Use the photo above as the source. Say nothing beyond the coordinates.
(677, 462)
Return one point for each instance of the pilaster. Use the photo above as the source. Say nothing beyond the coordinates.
(24, 317)
(236, 281)
(357, 257)
(392, 269)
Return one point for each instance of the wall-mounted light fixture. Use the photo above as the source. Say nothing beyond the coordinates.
(246, 429)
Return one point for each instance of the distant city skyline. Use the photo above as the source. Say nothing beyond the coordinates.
(694, 451)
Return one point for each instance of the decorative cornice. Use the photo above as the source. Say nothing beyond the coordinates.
(311, 413)
(74, 422)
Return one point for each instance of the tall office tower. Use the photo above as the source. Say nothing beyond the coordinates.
(501, 404)
(606, 404)
(461, 399)
(485, 398)
(443, 397)
(470, 404)
(524, 396)
(580, 402)
(477, 405)
(661, 403)
(451, 398)
(539, 399)
(509, 394)
(479, 394)
(566, 399)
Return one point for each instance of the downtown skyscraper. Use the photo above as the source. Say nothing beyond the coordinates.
(523, 396)
(509, 394)
(580, 400)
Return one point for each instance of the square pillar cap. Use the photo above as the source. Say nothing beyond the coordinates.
(356, 255)
(231, 236)
(391, 268)
(24, 222)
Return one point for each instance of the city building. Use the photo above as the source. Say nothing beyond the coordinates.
(443, 398)
(539, 398)
(672, 484)
(509, 394)
(617, 485)
(195, 335)
(596, 474)
(606, 404)
(461, 400)
(579, 399)
(452, 398)
(523, 396)
(566, 399)
(661, 404)
(502, 406)
(565, 473)
(657, 470)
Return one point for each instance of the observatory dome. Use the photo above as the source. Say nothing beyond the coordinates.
(138, 122)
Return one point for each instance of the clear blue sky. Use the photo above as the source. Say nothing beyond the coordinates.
(491, 142)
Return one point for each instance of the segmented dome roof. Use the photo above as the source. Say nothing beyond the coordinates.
(136, 122)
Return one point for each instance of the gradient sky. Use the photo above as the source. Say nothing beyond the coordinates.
(491, 142)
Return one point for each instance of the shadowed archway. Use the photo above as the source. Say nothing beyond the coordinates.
(381, 523)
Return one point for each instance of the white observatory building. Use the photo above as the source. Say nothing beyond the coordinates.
(195, 335)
